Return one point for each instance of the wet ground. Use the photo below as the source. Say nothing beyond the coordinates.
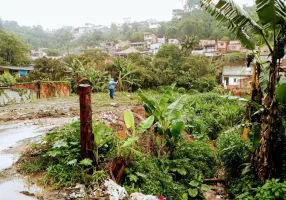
(14, 139)
(24, 124)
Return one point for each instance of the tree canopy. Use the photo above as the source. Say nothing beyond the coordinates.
(13, 51)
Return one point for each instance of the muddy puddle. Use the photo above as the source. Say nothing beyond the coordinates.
(18, 189)
(14, 138)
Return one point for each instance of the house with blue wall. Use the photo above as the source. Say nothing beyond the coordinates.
(15, 71)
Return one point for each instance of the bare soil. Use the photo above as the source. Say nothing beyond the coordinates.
(50, 114)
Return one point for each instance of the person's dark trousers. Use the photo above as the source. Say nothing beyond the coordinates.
(111, 93)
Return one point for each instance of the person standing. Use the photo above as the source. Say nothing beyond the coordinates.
(111, 87)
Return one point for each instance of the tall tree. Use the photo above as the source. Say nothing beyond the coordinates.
(12, 50)
(267, 158)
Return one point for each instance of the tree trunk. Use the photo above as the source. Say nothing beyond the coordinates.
(267, 159)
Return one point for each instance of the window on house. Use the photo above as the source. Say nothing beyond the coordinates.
(1, 72)
(235, 80)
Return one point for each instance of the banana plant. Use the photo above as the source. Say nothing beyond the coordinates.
(168, 116)
(269, 31)
(196, 188)
(135, 131)
(126, 72)
(103, 135)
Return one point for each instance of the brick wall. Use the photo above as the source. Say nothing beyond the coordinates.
(243, 88)
(54, 89)
(47, 89)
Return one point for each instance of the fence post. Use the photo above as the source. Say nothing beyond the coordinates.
(86, 136)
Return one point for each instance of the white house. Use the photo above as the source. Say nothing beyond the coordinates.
(150, 38)
(161, 38)
(174, 41)
(155, 47)
(232, 76)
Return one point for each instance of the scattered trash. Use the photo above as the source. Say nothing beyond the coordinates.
(140, 196)
(115, 191)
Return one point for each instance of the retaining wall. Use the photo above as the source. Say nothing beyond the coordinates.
(47, 89)
(13, 96)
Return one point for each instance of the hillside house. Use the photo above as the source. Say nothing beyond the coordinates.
(234, 46)
(150, 38)
(142, 45)
(174, 41)
(236, 77)
(37, 54)
(221, 46)
(161, 38)
(154, 48)
(204, 43)
(15, 71)
(206, 47)
(127, 51)
(122, 44)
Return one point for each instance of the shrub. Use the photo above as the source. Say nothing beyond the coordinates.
(233, 152)
(209, 114)
(181, 90)
(193, 158)
(60, 158)
(271, 190)
(7, 79)
(151, 176)
(170, 176)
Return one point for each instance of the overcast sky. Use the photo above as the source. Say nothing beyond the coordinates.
(57, 13)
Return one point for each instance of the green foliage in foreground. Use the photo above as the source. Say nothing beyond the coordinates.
(58, 156)
(234, 152)
(174, 173)
(170, 176)
(273, 189)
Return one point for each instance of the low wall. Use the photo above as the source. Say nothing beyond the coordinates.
(47, 89)
(54, 89)
(13, 96)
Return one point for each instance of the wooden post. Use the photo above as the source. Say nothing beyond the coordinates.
(86, 136)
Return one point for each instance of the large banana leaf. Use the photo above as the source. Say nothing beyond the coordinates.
(176, 107)
(281, 91)
(236, 19)
(271, 13)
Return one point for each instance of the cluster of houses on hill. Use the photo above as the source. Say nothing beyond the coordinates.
(151, 24)
(234, 75)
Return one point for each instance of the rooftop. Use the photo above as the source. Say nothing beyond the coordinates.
(28, 68)
(236, 71)
(128, 51)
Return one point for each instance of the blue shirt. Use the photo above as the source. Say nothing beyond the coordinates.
(111, 85)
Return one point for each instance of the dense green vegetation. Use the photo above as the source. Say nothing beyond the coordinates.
(191, 72)
(12, 50)
(162, 160)
(265, 125)
(190, 132)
